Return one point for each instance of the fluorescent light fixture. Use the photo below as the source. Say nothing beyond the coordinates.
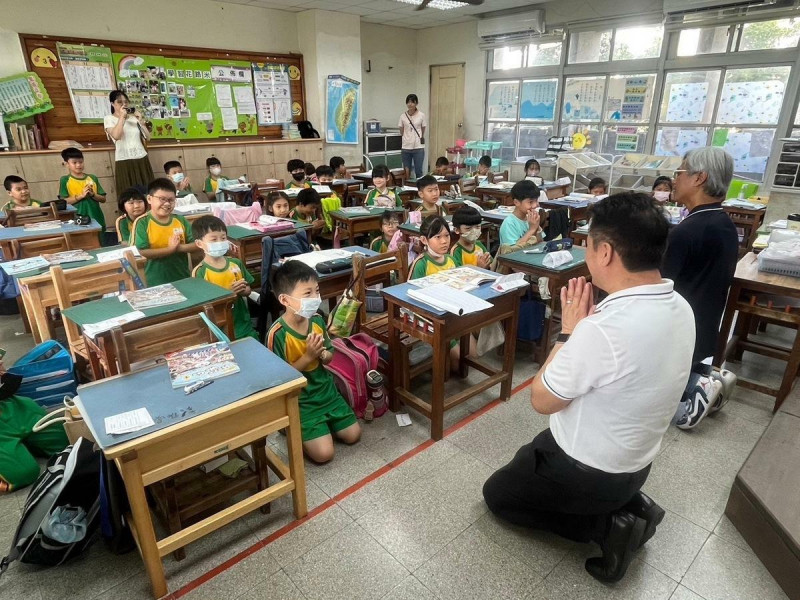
(440, 4)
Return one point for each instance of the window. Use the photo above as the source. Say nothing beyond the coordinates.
(589, 46)
(689, 96)
(753, 96)
(503, 100)
(506, 133)
(507, 58)
(770, 35)
(544, 54)
(583, 98)
(631, 43)
(705, 40)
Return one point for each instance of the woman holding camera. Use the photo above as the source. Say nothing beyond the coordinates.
(126, 128)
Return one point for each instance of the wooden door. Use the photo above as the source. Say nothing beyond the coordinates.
(445, 121)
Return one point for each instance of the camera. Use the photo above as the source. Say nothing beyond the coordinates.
(83, 220)
(130, 110)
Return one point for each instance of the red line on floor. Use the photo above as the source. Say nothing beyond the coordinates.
(391, 465)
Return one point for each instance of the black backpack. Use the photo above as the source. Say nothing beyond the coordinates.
(307, 130)
(70, 479)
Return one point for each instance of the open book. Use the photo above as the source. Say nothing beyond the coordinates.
(462, 278)
(68, 256)
(200, 363)
(444, 297)
(160, 295)
(45, 225)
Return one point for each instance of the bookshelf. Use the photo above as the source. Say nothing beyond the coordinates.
(787, 171)
(583, 166)
(637, 172)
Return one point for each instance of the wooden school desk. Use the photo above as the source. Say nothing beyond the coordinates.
(447, 326)
(412, 230)
(246, 243)
(503, 194)
(750, 221)
(39, 294)
(233, 412)
(79, 236)
(444, 184)
(531, 264)
(748, 284)
(359, 197)
(333, 284)
(198, 292)
(65, 215)
(353, 224)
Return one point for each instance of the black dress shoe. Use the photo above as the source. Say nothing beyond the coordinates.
(645, 508)
(621, 542)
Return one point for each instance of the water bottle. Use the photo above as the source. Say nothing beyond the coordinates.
(66, 524)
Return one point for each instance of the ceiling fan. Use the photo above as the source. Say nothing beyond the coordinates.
(470, 2)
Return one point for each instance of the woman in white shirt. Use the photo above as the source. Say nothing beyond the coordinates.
(126, 128)
(412, 127)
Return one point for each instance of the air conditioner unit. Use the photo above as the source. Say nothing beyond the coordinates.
(511, 25)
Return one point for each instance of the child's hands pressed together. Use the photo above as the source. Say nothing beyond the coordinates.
(484, 260)
(175, 241)
(533, 219)
(240, 287)
(315, 345)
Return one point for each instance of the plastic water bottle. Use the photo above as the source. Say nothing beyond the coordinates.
(66, 524)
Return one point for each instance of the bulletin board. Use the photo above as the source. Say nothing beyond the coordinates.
(193, 120)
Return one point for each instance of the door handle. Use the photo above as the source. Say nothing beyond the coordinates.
(460, 124)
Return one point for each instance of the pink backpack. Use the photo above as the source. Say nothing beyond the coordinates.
(353, 368)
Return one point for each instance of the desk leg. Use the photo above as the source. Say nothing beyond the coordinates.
(441, 352)
(725, 326)
(262, 470)
(463, 351)
(132, 476)
(396, 354)
(294, 446)
(510, 346)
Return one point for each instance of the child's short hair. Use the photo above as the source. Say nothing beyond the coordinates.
(171, 164)
(525, 189)
(273, 197)
(161, 184)
(380, 171)
(295, 164)
(207, 224)
(426, 181)
(131, 193)
(289, 274)
(466, 215)
(310, 169)
(391, 215)
(211, 161)
(442, 162)
(662, 179)
(532, 162)
(485, 161)
(336, 162)
(432, 226)
(11, 180)
(597, 182)
(308, 196)
(324, 171)
(71, 153)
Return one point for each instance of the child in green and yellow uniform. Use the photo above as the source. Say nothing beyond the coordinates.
(214, 175)
(164, 239)
(308, 209)
(484, 168)
(468, 250)
(174, 170)
(390, 222)
(82, 189)
(300, 338)
(435, 236)
(428, 191)
(19, 193)
(132, 205)
(381, 195)
(211, 235)
(297, 169)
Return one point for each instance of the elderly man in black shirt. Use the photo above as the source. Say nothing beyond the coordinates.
(701, 259)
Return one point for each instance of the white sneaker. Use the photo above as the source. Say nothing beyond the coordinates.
(728, 381)
(697, 404)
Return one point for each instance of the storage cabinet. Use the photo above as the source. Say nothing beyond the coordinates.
(637, 172)
(10, 165)
(787, 171)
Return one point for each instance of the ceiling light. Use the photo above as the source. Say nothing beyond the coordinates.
(440, 4)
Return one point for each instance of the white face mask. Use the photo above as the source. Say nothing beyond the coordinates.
(472, 235)
(177, 177)
(435, 254)
(308, 306)
(217, 249)
(215, 171)
(661, 196)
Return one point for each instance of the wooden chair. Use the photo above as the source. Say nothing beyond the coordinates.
(468, 184)
(18, 217)
(50, 245)
(375, 269)
(498, 177)
(399, 176)
(84, 284)
(193, 492)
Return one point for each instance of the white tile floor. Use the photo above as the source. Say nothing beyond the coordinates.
(421, 530)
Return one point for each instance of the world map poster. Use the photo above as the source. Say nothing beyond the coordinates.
(342, 110)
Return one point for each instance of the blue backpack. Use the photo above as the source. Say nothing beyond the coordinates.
(48, 374)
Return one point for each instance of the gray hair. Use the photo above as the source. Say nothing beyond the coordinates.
(716, 164)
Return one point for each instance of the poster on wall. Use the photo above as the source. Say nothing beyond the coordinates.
(687, 102)
(673, 141)
(190, 99)
(273, 93)
(89, 73)
(756, 102)
(233, 88)
(538, 100)
(583, 99)
(23, 96)
(634, 99)
(503, 100)
(342, 110)
(627, 139)
(144, 79)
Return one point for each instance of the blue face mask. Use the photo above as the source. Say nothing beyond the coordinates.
(217, 249)
(177, 177)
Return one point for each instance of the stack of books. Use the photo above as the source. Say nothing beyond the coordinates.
(290, 132)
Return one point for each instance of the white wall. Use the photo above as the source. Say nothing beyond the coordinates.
(199, 23)
(392, 52)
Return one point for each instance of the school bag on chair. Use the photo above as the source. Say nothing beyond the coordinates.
(48, 374)
(307, 130)
(62, 513)
(354, 364)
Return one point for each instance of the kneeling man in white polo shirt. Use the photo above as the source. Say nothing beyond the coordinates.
(611, 384)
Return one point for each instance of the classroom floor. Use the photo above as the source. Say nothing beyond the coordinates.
(399, 517)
